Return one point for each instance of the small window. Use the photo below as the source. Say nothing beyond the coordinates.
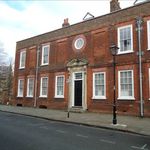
(22, 59)
(99, 85)
(20, 87)
(125, 39)
(44, 87)
(45, 55)
(30, 87)
(126, 86)
(79, 43)
(78, 76)
(148, 34)
(59, 87)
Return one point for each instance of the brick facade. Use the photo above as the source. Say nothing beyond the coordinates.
(98, 33)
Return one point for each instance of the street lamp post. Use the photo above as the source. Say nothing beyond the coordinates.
(114, 51)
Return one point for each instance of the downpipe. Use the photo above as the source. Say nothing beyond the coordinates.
(36, 75)
(139, 22)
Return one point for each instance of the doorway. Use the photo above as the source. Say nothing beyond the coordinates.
(78, 88)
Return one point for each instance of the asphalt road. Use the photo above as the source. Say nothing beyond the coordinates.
(19, 132)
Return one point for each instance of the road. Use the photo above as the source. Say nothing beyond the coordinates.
(18, 132)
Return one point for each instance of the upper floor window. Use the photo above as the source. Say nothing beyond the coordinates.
(125, 39)
(45, 55)
(30, 87)
(59, 86)
(20, 87)
(44, 87)
(99, 85)
(126, 86)
(148, 34)
(22, 59)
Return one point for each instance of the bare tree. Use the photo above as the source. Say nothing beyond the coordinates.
(6, 76)
(9, 81)
(3, 55)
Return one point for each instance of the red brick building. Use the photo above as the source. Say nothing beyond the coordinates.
(72, 67)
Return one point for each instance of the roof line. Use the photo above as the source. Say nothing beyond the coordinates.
(136, 5)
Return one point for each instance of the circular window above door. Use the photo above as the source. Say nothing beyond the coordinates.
(79, 43)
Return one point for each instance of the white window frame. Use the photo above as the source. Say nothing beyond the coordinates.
(102, 96)
(148, 34)
(21, 66)
(20, 94)
(43, 48)
(119, 87)
(149, 83)
(41, 90)
(28, 87)
(56, 80)
(130, 50)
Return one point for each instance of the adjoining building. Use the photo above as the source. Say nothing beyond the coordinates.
(72, 67)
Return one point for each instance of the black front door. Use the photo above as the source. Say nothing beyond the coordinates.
(78, 93)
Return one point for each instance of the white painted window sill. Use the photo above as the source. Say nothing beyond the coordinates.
(126, 98)
(42, 96)
(126, 52)
(59, 97)
(99, 98)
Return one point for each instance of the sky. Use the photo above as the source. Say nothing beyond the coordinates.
(21, 19)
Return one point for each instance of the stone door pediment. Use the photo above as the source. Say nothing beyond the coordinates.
(77, 62)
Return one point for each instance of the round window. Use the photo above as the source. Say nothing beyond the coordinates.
(79, 43)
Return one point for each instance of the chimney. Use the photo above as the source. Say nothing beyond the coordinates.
(114, 5)
(66, 23)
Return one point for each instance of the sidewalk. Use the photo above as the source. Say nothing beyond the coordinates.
(125, 123)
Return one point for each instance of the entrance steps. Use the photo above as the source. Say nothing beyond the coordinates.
(77, 109)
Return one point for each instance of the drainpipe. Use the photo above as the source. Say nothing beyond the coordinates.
(36, 75)
(139, 22)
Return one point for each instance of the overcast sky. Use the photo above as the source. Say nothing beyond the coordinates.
(21, 19)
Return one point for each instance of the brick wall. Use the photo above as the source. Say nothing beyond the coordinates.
(99, 33)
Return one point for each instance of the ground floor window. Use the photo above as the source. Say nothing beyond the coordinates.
(44, 87)
(126, 86)
(20, 87)
(149, 83)
(99, 85)
(30, 87)
(59, 86)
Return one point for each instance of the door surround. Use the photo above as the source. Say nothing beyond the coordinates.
(77, 66)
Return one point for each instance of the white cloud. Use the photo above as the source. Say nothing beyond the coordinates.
(38, 17)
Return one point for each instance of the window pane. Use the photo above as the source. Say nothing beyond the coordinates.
(22, 59)
(148, 34)
(30, 87)
(20, 87)
(125, 39)
(60, 86)
(99, 84)
(45, 54)
(44, 86)
(126, 83)
(78, 76)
